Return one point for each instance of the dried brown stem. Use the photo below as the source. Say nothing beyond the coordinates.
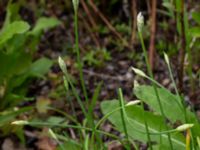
(87, 26)
(105, 20)
(92, 22)
(153, 34)
(134, 20)
(87, 11)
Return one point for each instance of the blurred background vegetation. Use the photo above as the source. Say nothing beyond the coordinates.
(34, 33)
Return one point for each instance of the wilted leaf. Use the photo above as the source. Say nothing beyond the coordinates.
(42, 104)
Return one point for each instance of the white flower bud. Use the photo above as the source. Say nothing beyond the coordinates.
(140, 21)
(139, 72)
(166, 58)
(184, 127)
(20, 122)
(135, 102)
(75, 4)
(62, 65)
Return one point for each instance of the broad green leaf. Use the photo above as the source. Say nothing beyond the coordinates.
(43, 24)
(11, 13)
(172, 107)
(196, 16)
(10, 64)
(40, 67)
(136, 127)
(17, 27)
(171, 104)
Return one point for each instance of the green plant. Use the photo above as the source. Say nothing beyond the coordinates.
(17, 47)
(167, 124)
(96, 57)
(149, 126)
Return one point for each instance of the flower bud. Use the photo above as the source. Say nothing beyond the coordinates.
(140, 21)
(184, 127)
(139, 72)
(75, 4)
(62, 65)
(166, 58)
(20, 122)
(135, 102)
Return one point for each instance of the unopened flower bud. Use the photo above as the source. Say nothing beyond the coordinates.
(184, 127)
(166, 58)
(75, 4)
(139, 72)
(62, 65)
(20, 122)
(135, 102)
(140, 21)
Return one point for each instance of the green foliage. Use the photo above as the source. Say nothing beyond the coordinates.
(17, 27)
(135, 124)
(195, 31)
(17, 46)
(96, 57)
(44, 23)
(147, 94)
(172, 107)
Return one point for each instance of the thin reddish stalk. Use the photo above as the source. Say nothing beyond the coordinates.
(153, 34)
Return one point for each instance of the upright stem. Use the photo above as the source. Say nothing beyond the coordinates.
(88, 115)
(134, 21)
(153, 34)
(123, 116)
(154, 86)
(183, 47)
(80, 68)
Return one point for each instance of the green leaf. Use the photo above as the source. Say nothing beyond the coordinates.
(10, 64)
(40, 67)
(136, 127)
(171, 104)
(195, 32)
(17, 27)
(196, 16)
(8, 116)
(11, 13)
(71, 145)
(43, 24)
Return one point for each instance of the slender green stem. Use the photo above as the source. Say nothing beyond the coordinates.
(80, 68)
(123, 113)
(74, 91)
(180, 99)
(154, 86)
(177, 93)
(74, 127)
(64, 114)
